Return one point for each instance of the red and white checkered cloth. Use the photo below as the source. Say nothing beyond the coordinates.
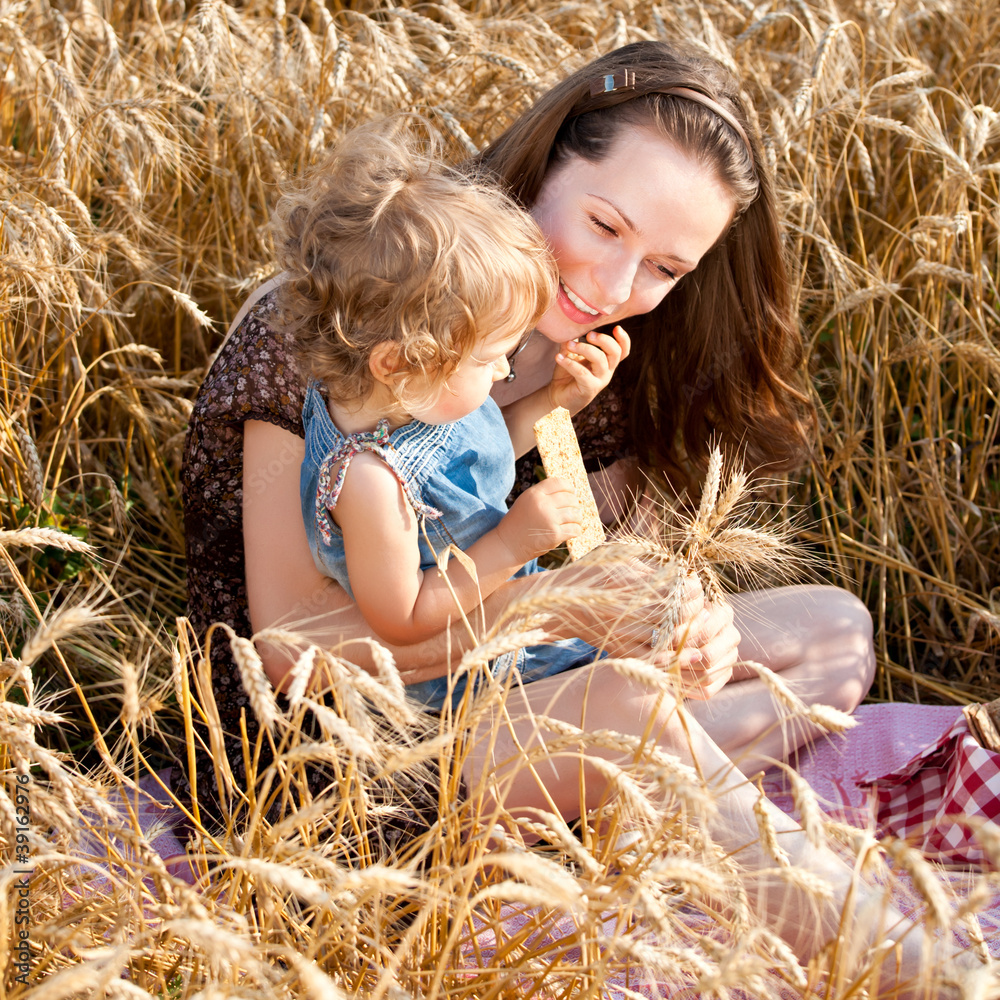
(926, 800)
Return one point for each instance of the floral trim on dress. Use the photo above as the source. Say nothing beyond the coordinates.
(377, 442)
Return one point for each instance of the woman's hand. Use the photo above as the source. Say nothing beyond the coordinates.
(584, 367)
(702, 648)
(706, 645)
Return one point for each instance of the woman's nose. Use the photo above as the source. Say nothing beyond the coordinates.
(614, 280)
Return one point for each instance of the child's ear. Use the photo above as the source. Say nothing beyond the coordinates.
(383, 362)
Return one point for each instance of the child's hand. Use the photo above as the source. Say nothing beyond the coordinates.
(578, 379)
(542, 517)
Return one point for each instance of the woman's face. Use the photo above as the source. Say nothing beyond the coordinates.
(625, 230)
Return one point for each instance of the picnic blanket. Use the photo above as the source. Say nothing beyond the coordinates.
(912, 771)
(904, 770)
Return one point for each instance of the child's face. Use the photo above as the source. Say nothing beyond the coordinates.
(468, 386)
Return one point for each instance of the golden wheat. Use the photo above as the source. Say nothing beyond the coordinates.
(142, 147)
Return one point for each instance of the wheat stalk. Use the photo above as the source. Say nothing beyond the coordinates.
(255, 681)
(41, 537)
(66, 621)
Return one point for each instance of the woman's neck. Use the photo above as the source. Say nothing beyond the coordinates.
(532, 368)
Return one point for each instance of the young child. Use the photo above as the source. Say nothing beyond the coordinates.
(408, 288)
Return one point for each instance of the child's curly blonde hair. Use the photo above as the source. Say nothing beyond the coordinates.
(383, 242)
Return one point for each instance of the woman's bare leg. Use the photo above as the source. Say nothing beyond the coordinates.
(599, 699)
(820, 639)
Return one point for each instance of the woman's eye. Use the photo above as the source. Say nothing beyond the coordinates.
(603, 226)
(664, 272)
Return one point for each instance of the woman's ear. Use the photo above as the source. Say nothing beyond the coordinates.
(383, 362)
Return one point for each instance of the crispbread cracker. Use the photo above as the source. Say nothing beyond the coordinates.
(561, 457)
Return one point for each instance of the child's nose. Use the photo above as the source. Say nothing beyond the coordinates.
(501, 368)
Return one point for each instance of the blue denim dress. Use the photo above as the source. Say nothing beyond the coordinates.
(457, 478)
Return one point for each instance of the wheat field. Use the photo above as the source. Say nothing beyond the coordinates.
(141, 148)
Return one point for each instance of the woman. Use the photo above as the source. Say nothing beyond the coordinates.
(589, 149)
(645, 174)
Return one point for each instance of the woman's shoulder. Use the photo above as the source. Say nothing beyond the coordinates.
(254, 375)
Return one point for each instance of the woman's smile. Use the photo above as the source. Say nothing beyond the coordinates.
(574, 307)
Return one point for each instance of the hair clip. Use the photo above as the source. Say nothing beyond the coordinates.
(624, 79)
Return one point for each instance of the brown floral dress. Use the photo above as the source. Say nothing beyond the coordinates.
(254, 377)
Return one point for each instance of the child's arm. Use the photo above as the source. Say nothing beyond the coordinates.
(404, 604)
(574, 384)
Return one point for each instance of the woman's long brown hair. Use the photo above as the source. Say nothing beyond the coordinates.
(720, 359)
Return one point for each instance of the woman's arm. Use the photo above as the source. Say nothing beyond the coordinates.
(381, 532)
(284, 587)
(619, 489)
(616, 602)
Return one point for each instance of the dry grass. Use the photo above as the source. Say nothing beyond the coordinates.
(140, 149)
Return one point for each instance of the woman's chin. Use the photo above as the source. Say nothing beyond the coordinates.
(560, 329)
